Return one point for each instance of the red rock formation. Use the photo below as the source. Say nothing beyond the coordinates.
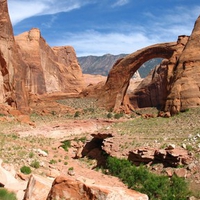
(154, 90)
(49, 70)
(66, 187)
(12, 76)
(118, 79)
(185, 84)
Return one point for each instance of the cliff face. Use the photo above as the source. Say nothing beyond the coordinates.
(12, 76)
(49, 70)
(185, 83)
(30, 66)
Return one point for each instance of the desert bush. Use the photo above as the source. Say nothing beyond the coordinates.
(66, 144)
(5, 195)
(109, 115)
(31, 154)
(82, 139)
(77, 114)
(52, 161)
(25, 170)
(142, 180)
(35, 164)
(118, 115)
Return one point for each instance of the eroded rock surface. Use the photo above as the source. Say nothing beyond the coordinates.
(66, 187)
(12, 76)
(185, 84)
(174, 86)
(118, 79)
(49, 70)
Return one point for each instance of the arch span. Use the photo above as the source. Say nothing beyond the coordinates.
(119, 76)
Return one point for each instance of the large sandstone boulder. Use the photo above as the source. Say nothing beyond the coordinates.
(12, 76)
(38, 188)
(49, 70)
(66, 187)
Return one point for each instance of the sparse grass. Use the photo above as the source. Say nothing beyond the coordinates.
(52, 161)
(165, 130)
(35, 164)
(137, 131)
(66, 144)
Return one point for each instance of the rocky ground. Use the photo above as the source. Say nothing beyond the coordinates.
(141, 133)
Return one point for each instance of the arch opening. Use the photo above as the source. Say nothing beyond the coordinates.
(119, 76)
(142, 73)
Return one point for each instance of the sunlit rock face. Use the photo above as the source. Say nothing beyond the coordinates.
(185, 83)
(49, 69)
(12, 76)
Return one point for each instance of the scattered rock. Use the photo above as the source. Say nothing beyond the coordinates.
(38, 188)
(181, 172)
(41, 153)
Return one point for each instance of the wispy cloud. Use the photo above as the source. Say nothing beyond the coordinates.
(22, 9)
(163, 25)
(120, 3)
(166, 28)
(96, 43)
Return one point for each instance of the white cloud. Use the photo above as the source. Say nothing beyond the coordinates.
(96, 43)
(120, 3)
(22, 9)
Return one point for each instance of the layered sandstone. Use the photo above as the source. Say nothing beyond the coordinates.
(12, 76)
(49, 70)
(185, 83)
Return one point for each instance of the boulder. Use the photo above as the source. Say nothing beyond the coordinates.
(38, 188)
(67, 187)
(9, 182)
(168, 157)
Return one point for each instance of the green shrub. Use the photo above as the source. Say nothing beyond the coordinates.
(66, 144)
(77, 114)
(118, 115)
(65, 163)
(140, 179)
(109, 115)
(31, 154)
(52, 161)
(35, 164)
(82, 139)
(5, 195)
(25, 170)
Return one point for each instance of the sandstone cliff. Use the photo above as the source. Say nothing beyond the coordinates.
(12, 76)
(185, 82)
(49, 69)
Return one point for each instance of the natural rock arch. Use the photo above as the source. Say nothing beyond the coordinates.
(115, 88)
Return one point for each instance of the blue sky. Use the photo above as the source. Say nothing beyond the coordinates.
(97, 27)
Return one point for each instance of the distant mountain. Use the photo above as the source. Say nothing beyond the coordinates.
(98, 64)
(102, 64)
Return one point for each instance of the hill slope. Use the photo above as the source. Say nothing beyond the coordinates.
(102, 64)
